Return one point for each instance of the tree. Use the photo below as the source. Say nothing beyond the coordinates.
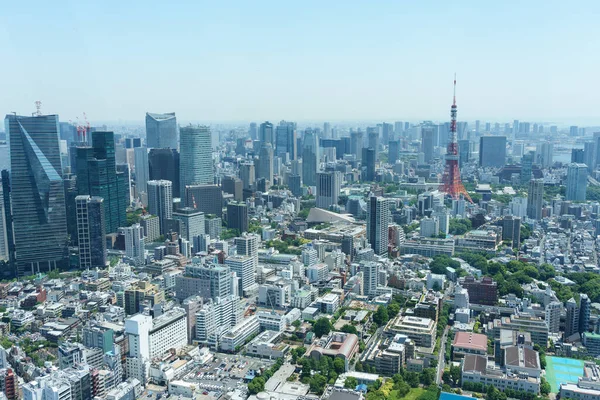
(349, 329)
(339, 365)
(412, 378)
(455, 374)
(393, 309)
(381, 316)
(350, 382)
(427, 376)
(545, 387)
(322, 327)
(317, 383)
(256, 385)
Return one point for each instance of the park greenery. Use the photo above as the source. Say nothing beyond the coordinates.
(317, 374)
(257, 384)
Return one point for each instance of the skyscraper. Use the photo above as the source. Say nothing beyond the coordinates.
(8, 215)
(265, 162)
(37, 192)
(247, 245)
(393, 152)
(192, 222)
(164, 164)
(286, 140)
(356, 143)
(141, 170)
(368, 164)
(464, 152)
(492, 151)
(295, 184)
(511, 230)
(97, 176)
(526, 167)
(161, 131)
(205, 198)
(577, 156)
(243, 266)
(535, 199)
(427, 143)
(584, 312)
(91, 231)
(237, 216)
(247, 174)
(160, 201)
(370, 271)
(265, 133)
(4, 244)
(233, 186)
(253, 131)
(545, 153)
(572, 320)
(196, 166)
(577, 175)
(373, 137)
(329, 185)
(310, 157)
(134, 244)
(378, 217)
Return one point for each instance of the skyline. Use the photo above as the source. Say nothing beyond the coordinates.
(309, 62)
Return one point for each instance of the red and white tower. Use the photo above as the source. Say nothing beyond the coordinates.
(451, 183)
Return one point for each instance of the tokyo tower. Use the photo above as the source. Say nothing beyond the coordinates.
(451, 183)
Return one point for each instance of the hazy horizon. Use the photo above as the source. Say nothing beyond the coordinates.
(336, 62)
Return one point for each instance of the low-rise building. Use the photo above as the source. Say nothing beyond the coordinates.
(421, 330)
(475, 369)
(587, 386)
(336, 344)
(468, 343)
(268, 345)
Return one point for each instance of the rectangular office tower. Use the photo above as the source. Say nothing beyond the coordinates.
(329, 185)
(577, 175)
(161, 131)
(195, 160)
(164, 164)
(160, 201)
(492, 151)
(237, 216)
(378, 219)
(91, 231)
(97, 176)
(38, 193)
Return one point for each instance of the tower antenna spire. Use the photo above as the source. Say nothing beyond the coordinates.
(454, 96)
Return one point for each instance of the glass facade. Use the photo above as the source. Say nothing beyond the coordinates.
(38, 194)
(161, 131)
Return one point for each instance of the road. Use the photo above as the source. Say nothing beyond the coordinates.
(441, 357)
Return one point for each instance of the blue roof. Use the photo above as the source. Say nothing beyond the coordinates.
(452, 396)
(361, 388)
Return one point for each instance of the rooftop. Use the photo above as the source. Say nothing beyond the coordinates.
(470, 340)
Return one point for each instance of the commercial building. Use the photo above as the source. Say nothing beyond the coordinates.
(236, 336)
(91, 231)
(421, 330)
(205, 198)
(535, 199)
(97, 175)
(310, 157)
(389, 355)
(267, 345)
(378, 218)
(206, 280)
(482, 291)
(370, 271)
(328, 188)
(134, 244)
(216, 316)
(161, 131)
(243, 266)
(521, 322)
(141, 292)
(492, 151)
(141, 171)
(192, 222)
(428, 247)
(160, 202)
(37, 192)
(163, 164)
(196, 166)
(265, 162)
(237, 216)
(577, 175)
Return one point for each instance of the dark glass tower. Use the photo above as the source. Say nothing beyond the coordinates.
(97, 176)
(38, 194)
(237, 216)
(91, 228)
(163, 164)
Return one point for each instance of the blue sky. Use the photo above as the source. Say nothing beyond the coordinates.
(304, 60)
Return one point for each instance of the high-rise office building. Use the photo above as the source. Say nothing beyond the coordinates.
(535, 199)
(243, 266)
(373, 139)
(370, 272)
(192, 222)
(492, 151)
(253, 131)
(6, 209)
(511, 230)
(577, 176)
(310, 157)
(464, 152)
(387, 132)
(368, 164)
(577, 156)
(356, 143)
(237, 216)
(160, 201)
(584, 312)
(329, 185)
(163, 164)
(545, 153)
(205, 198)
(378, 218)
(427, 143)
(573, 131)
(295, 184)
(134, 244)
(91, 231)
(233, 186)
(37, 192)
(265, 162)
(161, 131)
(196, 165)
(552, 316)
(247, 245)
(265, 133)
(247, 174)
(526, 167)
(572, 319)
(142, 175)
(393, 152)
(97, 175)
(286, 140)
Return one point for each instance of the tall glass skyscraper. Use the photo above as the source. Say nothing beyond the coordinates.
(161, 131)
(310, 157)
(164, 164)
(38, 194)
(196, 166)
(91, 231)
(97, 176)
(378, 218)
